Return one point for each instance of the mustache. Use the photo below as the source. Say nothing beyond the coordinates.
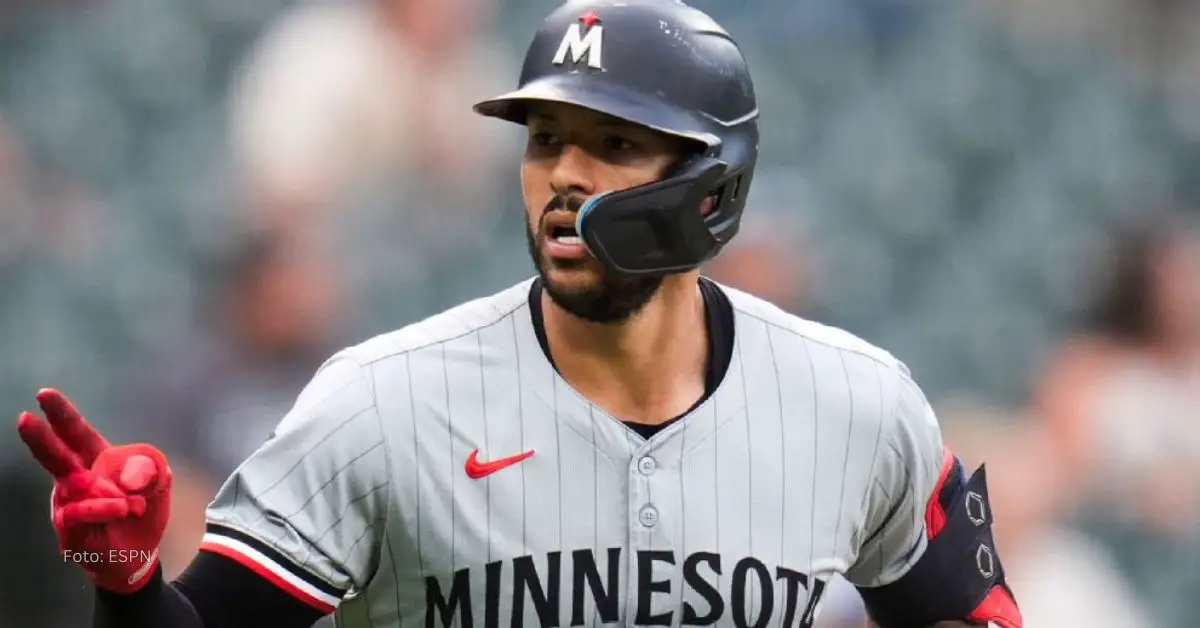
(568, 203)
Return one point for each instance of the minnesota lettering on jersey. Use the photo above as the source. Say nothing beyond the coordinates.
(450, 600)
(813, 457)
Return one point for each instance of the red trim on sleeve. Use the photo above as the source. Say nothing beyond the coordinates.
(998, 608)
(935, 515)
(269, 576)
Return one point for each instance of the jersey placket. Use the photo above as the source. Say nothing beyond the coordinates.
(652, 593)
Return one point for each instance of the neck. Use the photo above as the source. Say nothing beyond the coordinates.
(648, 369)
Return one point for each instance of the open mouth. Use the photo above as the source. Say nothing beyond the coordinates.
(560, 239)
(565, 235)
(560, 228)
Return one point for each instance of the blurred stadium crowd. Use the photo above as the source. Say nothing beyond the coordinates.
(202, 199)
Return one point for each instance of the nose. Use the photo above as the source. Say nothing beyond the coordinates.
(573, 172)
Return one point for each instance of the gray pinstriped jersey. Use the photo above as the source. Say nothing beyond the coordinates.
(815, 456)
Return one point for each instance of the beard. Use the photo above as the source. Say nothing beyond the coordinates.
(612, 300)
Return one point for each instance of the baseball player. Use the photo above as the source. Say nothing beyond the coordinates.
(616, 442)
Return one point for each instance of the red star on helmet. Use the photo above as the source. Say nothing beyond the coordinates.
(589, 19)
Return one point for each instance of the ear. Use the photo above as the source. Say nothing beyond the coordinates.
(707, 205)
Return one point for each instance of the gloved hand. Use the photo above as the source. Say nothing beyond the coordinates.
(109, 504)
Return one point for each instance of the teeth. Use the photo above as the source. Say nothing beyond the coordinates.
(569, 240)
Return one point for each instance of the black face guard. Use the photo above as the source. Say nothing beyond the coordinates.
(654, 229)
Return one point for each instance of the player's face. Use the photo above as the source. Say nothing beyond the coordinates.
(573, 154)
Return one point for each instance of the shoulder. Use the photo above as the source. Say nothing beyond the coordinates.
(869, 381)
(444, 327)
(801, 334)
(345, 385)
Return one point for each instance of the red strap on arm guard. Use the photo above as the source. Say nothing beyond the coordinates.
(959, 576)
(999, 607)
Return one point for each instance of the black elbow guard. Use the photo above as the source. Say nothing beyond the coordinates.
(959, 577)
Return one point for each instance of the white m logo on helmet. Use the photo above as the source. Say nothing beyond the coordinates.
(579, 45)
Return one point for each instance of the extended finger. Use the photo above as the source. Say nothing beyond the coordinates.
(70, 425)
(47, 448)
(91, 511)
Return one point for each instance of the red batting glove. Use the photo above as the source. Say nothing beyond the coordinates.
(109, 504)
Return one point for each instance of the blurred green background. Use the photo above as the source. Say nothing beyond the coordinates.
(201, 199)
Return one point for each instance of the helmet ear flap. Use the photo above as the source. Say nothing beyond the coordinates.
(657, 228)
(726, 214)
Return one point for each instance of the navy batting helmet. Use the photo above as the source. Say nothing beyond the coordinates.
(669, 67)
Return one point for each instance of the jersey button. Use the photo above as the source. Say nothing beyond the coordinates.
(647, 465)
(648, 516)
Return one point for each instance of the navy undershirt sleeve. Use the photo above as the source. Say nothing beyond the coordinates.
(214, 592)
